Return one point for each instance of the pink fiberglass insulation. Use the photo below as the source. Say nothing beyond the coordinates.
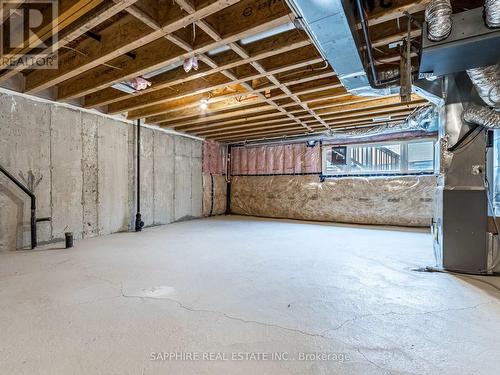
(214, 158)
(276, 159)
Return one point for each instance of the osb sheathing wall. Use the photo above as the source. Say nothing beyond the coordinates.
(402, 200)
(214, 195)
(214, 179)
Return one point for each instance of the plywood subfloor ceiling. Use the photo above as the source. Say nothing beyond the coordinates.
(259, 76)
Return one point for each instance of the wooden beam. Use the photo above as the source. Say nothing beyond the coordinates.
(282, 43)
(206, 132)
(180, 87)
(241, 51)
(169, 103)
(229, 97)
(203, 130)
(337, 92)
(289, 130)
(268, 49)
(121, 37)
(152, 57)
(285, 122)
(373, 104)
(283, 134)
(189, 107)
(69, 12)
(75, 30)
(397, 11)
(376, 112)
(257, 119)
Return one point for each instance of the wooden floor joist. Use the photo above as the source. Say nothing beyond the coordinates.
(258, 75)
(74, 31)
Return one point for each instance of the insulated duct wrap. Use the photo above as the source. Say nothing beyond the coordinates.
(402, 200)
(438, 17)
(483, 116)
(492, 11)
(487, 83)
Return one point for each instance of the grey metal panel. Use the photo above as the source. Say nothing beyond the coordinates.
(470, 45)
(457, 166)
(464, 230)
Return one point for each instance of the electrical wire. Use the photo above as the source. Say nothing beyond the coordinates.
(84, 54)
(464, 143)
(459, 274)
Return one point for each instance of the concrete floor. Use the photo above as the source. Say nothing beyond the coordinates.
(245, 287)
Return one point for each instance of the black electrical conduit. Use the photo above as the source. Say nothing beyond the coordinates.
(33, 219)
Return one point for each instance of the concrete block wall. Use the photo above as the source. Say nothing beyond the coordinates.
(82, 167)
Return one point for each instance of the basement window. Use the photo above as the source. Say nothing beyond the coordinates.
(381, 158)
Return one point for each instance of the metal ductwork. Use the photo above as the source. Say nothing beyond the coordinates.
(460, 229)
(332, 27)
(487, 83)
(471, 44)
(438, 18)
(492, 12)
(482, 116)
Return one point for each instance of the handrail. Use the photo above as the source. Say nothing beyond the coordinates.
(33, 204)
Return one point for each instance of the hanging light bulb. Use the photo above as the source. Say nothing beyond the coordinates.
(203, 104)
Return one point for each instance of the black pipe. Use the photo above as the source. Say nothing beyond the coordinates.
(138, 219)
(374, 81)
(212, 195)
(33, 204)
(228, 176)
(68, 237)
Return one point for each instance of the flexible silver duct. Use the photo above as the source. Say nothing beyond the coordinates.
(487, 83)
(438, 17)
(492, 11)
(483, 116)
(420, 119)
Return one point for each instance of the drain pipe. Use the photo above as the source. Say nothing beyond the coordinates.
(33, 219)
(228, 179)
(138, 219)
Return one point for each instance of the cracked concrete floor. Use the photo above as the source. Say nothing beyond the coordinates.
(245, 287)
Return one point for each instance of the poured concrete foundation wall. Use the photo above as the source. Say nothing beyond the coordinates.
(406, 201)
(82, 166)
